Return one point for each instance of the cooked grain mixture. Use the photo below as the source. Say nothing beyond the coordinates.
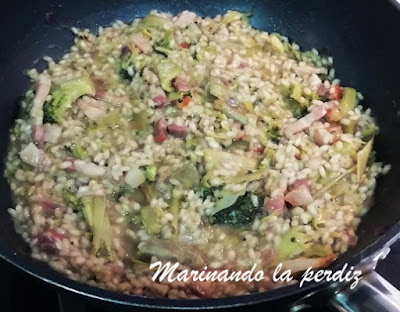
(197, 140)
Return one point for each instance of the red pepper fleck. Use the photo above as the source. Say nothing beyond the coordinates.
(184, 45)
(185, 101)
(258, 150)
(298, 156)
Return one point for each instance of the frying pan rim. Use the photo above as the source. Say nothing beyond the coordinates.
(50, 276)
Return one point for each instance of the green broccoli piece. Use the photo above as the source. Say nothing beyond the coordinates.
(78, 151)
(64, 95)
(242, 212)
(166, 44)
(167, 71)
(83, 204)
(72, 201)
(150, 173)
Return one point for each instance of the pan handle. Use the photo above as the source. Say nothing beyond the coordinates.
(373, 293)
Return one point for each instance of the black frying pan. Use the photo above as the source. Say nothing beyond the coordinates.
(362, 36)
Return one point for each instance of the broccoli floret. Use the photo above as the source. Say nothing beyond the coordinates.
(167, 71)
(64, 95)
(150, 173)
(78, 151)
(242, 212)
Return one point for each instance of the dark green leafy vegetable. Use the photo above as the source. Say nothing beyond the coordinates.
(224, 200)
(242, 212)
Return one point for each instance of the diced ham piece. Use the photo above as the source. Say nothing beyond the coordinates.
(38, 134)
(142, 43)
(328, 91)
(337, 131)
(159, 97)
(298, 183)
(160, 100)
(101, 95)
(267, 257)
(35, 157)
(93, 111)
(48, 207)
(181, 84)
(335, 92)
(160, 133)
(323, 90)
(258, 149)
(326, 135)
(47, 241)
(353, 239)
(88, 169)
(69, 165)
(274, 204)
(42, 91)
(51, 133)
(178, 131)
(305, 122)
(185, 19)
(299, 196)
(149, 76)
